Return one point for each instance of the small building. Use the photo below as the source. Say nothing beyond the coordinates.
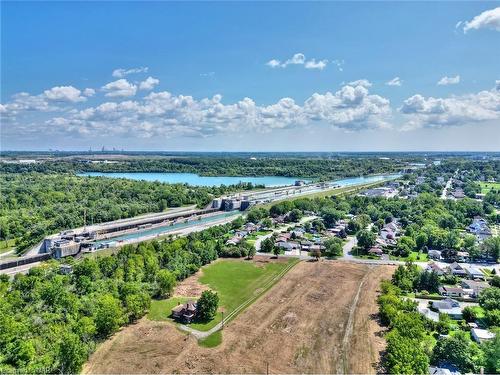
(462, 256)
(481, 335)
(65, 269)
(475, 274)
(434, 254)
(185, 312)
(449, 291)
(433, 267)
(457, 270)
(376, 251)
(449, 307)
(476, 287)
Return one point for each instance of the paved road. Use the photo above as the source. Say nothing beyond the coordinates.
(351, 242)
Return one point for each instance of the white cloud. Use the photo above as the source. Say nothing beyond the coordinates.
(149, 83)
(489, 19)
(120, 73)
(361, 82)
(89, 92)
(396, 81)
(339, 64)
(274, 63)
(299, 59)
(313, 64)
(163, 114)
(445, 81)
(120, 88)
(64, 94)
(455, 110)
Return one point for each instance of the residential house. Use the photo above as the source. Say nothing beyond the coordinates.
(457, 270)
(185, 312)
(479, 228)
(481, 335)
(375, 250)
(433, 267)
(475, 274)
(448, 306)
(450, 291)
(475, 287)
(288, 246)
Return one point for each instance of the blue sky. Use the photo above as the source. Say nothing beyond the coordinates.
(204, 59)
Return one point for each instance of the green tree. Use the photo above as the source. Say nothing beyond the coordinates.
(333, 247)
(72, 353)
(405, 355)
(366, 239)
(460, 351)
(166, 282)
(207, 305)
(108, 315)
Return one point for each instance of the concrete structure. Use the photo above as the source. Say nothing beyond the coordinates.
(481, 335)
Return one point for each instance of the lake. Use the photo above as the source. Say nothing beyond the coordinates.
(197, 180)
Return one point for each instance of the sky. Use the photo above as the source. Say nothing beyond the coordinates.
(250, 76)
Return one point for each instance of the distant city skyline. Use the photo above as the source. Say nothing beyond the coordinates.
(326, 76)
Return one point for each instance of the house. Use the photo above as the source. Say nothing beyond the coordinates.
(288, 246)
(433, 267)
(481, 335)
(305, 245)
(476, 287)
(185, 312)
(443, 370)
(457, 270)
(251, 227)
(434, 254)
(479, 228)
(376, 251)
(475, 274)
(458, 194)
(449, 291)
(448, 306)
(66, 269)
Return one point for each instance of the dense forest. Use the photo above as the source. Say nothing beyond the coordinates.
(222, 166)
(33, 205)
(50, 321)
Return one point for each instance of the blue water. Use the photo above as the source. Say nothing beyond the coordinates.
(197, 180)
(167, 229)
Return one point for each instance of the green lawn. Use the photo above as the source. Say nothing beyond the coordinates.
(414, 256)
(7, 245)
(161, 309)
(236, 281)
(212, 341)
(487, 186)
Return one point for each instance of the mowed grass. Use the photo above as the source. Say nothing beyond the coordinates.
(235, 281)
(211, 341)
(487, 186)
(162, 308)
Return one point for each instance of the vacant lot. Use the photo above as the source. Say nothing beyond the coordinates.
(235, 280)
(319, 318)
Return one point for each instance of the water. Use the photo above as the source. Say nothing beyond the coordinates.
(197, 180)
(167, 229)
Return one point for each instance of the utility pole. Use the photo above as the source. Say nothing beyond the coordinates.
(84, 219)
(222, 312)
(267, 368)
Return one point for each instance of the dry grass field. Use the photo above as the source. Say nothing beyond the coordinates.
(320, 318)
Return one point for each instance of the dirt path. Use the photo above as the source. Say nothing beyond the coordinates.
(299, 326)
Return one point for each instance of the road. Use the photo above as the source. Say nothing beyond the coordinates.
(444, 194)
(351, 242)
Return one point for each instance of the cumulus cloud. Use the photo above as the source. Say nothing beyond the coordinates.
(149, 83)
(453, 111)
(361, 82)
(489, 19)
(121, 73)
(120, 88)
(298, 59)
(313, 64)
(396, 81)
(64, 94)
(445, 81)
(164, 114)
(89, 92)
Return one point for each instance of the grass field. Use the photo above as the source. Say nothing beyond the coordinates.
(487, 186)
(235, 281)
(7, 245)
